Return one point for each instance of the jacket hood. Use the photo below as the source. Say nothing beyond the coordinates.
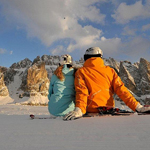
(93, 62)
(67, 71)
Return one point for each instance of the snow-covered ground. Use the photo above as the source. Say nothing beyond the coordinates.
(19, 132)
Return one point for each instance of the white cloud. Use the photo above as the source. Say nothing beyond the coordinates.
(111, 47)
(126, 13)
(136, 48)
(128, 31)
(3, 51)
(85, 10)
(146, 27)
(52, 21)
(138, 45)
(56, 19)
(11, 52)
(58, 50)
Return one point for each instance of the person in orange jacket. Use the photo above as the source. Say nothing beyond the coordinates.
(95, 86)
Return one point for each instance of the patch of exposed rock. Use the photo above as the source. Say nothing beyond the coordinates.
(3, 87)
(144, 70)
(112, 62)
(36, 81)
(36, 75)
(47, 59)
(22, 64)
(130, 76)
(9, 76)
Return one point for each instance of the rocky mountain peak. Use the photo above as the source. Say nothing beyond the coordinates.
(49, 60)
(33, 78)
(127, 74)
(112, 62)
(22, 64)
(144, 68)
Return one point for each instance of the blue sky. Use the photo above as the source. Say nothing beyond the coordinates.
(31, 28)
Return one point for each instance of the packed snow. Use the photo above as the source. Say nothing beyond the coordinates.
(19, 132)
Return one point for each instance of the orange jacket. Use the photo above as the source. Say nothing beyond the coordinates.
(95, 85)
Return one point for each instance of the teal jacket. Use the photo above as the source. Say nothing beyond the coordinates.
(62, 93)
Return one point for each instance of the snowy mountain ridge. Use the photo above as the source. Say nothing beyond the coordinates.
(28, 81)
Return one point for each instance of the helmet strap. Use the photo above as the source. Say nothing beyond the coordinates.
(90, 56)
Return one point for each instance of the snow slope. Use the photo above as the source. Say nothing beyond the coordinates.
(19, 132)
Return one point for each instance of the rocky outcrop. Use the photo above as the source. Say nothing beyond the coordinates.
(36, 60)
(112, 62)
(37, 80)
(136, 76)
(22, 64)
(35, 76)
(130, 76)
(3, 69)
(3, 87)
(50, 60)
(144, 70)
(47, 59)
(9, 76)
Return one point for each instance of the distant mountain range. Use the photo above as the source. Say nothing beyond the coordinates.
(27, 78)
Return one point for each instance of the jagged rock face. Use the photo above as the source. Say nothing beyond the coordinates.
(144, 70)
(50, 70)
(136, 77)
(49, 60)
(36, 60)
(37, 80)
(22, 64)
(36, 76)
(3, 69)
(9, 75)
(112, 62)
(3, 87)
(24, 80)
(130, 76)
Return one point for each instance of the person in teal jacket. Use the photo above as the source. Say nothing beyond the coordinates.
(61, 90)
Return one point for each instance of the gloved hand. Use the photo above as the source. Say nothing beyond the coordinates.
(141, 108)
(77, 113)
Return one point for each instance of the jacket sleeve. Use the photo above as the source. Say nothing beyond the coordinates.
(81, 91)
(123, 92)
(51, 87)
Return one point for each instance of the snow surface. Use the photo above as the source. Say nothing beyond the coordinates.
(19, 132)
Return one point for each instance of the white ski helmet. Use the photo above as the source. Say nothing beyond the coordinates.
(93, 52)
(66, 59)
